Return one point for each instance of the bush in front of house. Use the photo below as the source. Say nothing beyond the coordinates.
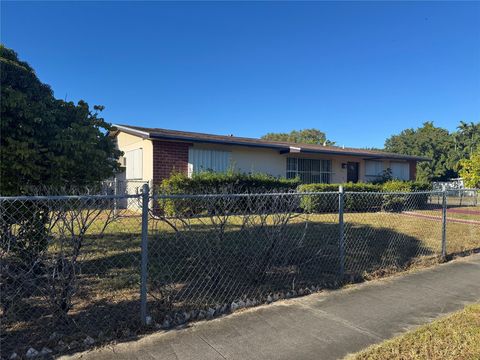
(405, 186)
(328, 200)
(374, 198)
(226, 183)
(325, 201)
(229, 182)
(354, 187)
(410, 196)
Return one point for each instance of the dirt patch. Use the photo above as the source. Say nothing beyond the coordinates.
(465, 211)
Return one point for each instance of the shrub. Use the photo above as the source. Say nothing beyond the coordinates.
(393, 202)
(235, 183)
(358, 187)
(385, 176)
(420, 186)
(405, 186)
(329, 202)
(226, 183)
(23, 230)
(373, 200)
(223, 183)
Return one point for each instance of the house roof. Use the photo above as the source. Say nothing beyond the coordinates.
(282, 147)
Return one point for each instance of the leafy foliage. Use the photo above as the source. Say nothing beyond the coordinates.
(394, 202)
(231, 182)
(306, 136)
(466, 142)
(444, 148)
(470, 171)
(329, 202)
(357, 187)
(430, 141)
(221, 183)
(224, 183)
(374, 202)
(46, 141)
(405, 186)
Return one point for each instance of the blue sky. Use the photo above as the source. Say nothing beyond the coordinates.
(358, 71)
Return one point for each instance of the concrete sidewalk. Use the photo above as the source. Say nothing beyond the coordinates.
(320, 326)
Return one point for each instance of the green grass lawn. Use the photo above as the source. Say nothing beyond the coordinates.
(456, 336)
(372, 241)
(201, 264)
(304, 249)
(206, 263)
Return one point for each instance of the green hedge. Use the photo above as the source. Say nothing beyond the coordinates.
(405, 186)
(329, 202)
(358, 187)
(394, 202)
(234, 183)
(226, 183)
(389, 186)
(373, 201)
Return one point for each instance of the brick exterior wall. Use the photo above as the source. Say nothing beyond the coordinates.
(168, 157)
(413, 170)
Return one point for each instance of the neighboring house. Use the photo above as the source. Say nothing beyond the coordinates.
(152, 154)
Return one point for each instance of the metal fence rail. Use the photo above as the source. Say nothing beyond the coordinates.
(77, 270)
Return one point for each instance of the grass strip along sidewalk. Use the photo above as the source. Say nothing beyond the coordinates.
(456, 336)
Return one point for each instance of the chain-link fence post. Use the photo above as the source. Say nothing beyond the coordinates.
(144, 254)
(444, 222)
(115, 192)
(341, 236)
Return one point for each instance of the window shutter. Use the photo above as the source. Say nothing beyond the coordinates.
(208, 160)
(400, 170)
(373, 168)
(134, 162)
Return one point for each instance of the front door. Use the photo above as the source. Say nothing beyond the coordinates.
(352, 172)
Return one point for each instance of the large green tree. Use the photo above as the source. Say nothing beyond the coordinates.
(46, 141)
(430, 141)
(305, 136)
(447, 150)
(466, 142)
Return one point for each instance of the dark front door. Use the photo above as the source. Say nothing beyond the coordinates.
(352, 172)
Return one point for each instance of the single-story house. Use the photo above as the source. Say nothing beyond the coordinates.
(152, 154)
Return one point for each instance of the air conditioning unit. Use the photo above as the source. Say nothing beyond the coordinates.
(123, 161)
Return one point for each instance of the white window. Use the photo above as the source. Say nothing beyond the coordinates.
(373, 168)
(134, 163)
(207, 160)
(309, 170)
(400, 170)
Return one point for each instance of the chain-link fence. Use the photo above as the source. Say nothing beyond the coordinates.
(79, 270)
(123, 187)
(69, 271)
